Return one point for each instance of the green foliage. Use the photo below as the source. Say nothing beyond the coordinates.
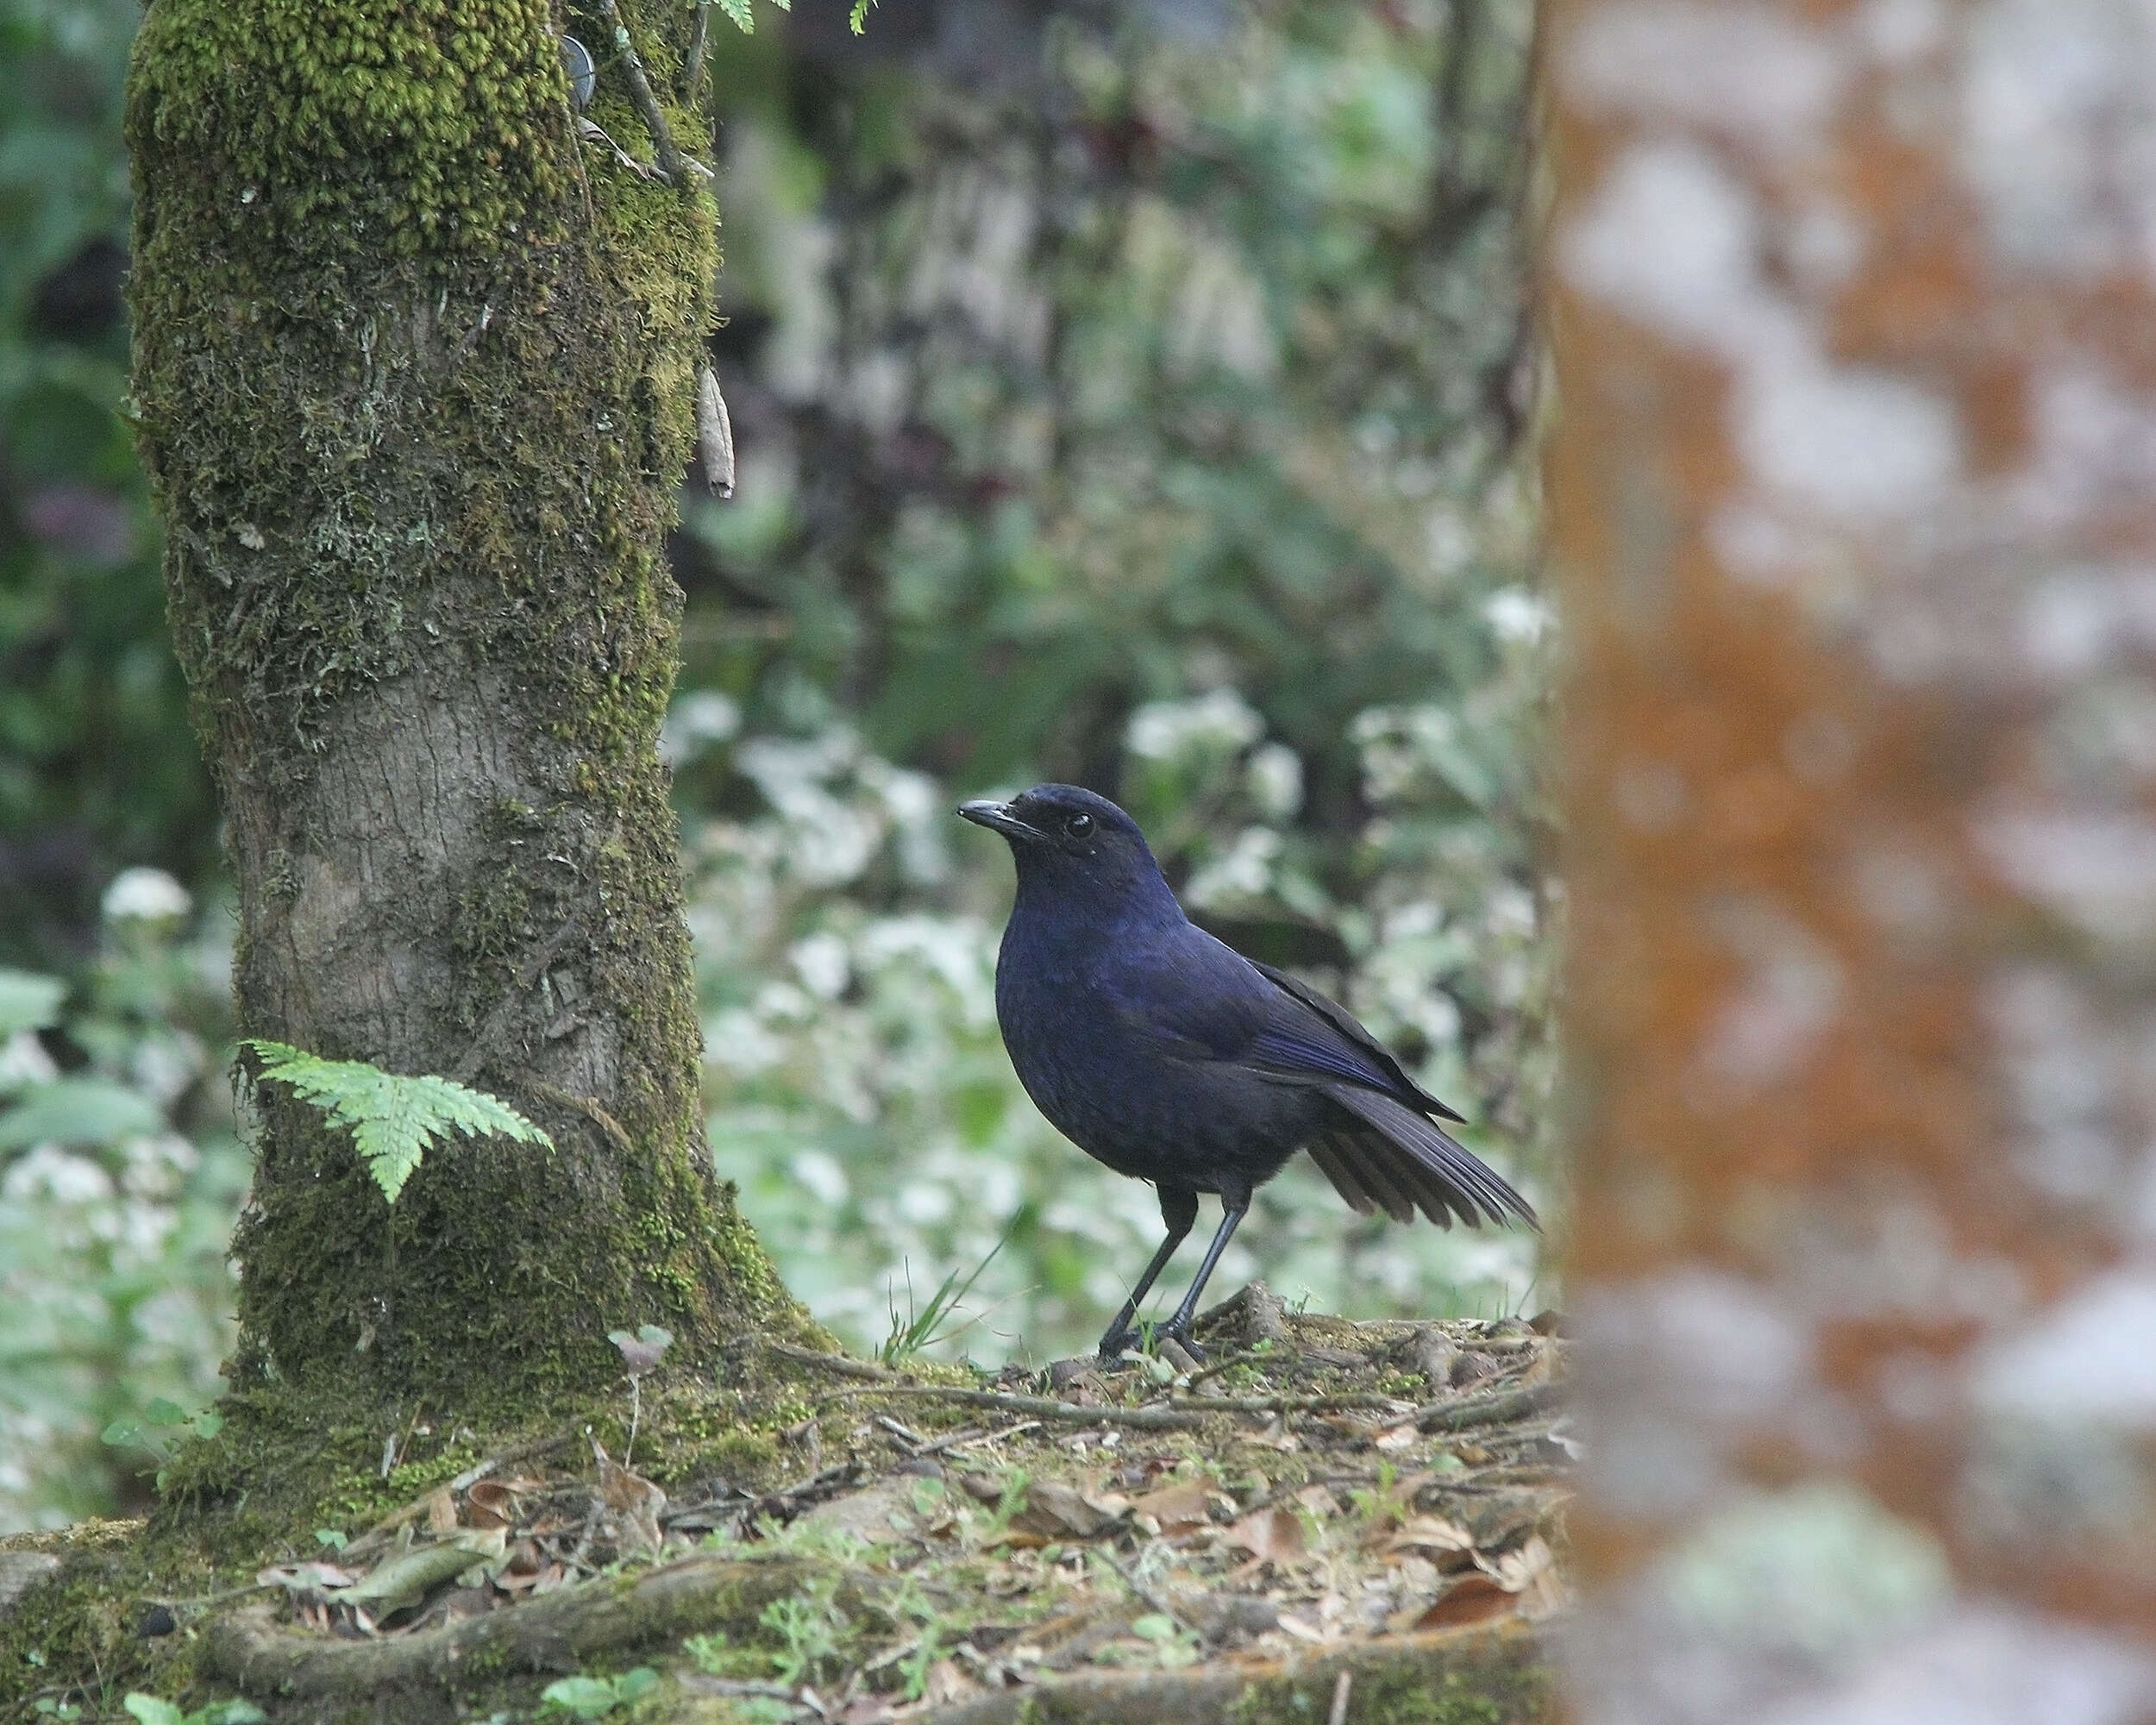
(149, 1710)
(813, 1632)
(924, 1328)
(113, 1229)
(594, 1697)
(98, 767)
(161, 1416)
(393, 1117)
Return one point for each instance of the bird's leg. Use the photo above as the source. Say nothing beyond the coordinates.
(1178, 1212)
(1233, 1207)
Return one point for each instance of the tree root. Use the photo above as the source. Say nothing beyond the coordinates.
(1499, 1671)
(1494, 1677)
(549, 1635)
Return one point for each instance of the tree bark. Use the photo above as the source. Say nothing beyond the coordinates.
(1854, 502)
(415, 373)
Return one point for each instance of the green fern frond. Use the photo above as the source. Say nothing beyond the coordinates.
(857, 20)
(738, 11)
(392, 1119)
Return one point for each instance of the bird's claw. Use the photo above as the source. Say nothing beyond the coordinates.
(1116, 1344)
(1179, 1334)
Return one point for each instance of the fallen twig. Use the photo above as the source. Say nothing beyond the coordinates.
(1495, 1408)
(1155, 1416)
(834, 1362)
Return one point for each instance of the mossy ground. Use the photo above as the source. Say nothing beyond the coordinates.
(858, 1534)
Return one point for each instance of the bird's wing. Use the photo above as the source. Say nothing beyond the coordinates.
(1218, 1004)
(1349, 1052)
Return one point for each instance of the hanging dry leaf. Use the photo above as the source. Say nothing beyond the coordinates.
(1273, 1535)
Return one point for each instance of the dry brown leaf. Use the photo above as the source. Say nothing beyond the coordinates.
(1432, 1534)
(492, 1504)
(1055, 1508)
(1273, 1535)
(945, 1684)
(1320, 1503)
(441, 1512)
(1397, 1439)
(1531, 1572)
(1302, 1628)
(1176, 1508)
(1474, 1598)
(633, 1503)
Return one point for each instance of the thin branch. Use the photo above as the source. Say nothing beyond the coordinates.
(639, 92)
(699, 41)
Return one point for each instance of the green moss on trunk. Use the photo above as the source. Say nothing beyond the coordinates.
(415, 369)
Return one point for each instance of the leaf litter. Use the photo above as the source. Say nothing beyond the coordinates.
(1356, 1481)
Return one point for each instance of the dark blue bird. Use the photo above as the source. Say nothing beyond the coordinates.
(1173, 1058)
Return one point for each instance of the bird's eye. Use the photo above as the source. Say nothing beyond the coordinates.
(1078, 825)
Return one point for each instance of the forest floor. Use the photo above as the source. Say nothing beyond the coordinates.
(1325, 1521)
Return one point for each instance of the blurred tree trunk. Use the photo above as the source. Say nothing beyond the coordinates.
(1855, 505)
(416, 369)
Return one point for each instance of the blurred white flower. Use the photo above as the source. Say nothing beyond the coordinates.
(146, 895)
(1245, 871)
(49, 1172)
(696, 721)
(819, 1171)
(1517, 615)
(1274, 776)
(1218, 720)
(821, 962)
(24, 1061)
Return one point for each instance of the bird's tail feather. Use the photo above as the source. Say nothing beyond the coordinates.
(1407, 1162)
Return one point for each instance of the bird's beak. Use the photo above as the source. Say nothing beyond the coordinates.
(999, 818)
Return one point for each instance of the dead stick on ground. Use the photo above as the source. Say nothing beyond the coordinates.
(834, 1362)
(1173, 1416)
(1496, 1409)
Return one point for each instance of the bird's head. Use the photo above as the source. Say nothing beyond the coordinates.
(1070, 837)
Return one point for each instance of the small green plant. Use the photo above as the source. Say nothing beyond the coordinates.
(594, 1697)
(393, 1117)
(333, 1538)
(811, 1627)
(150, 1710)
(1173, 1644)
(918, 1330)
(160, 1417)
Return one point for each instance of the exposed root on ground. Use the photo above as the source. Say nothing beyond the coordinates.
(1332, 1522)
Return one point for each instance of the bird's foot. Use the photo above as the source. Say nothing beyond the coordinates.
(1116, 1344)
(1180, 1335)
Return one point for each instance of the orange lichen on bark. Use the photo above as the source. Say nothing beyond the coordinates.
(1854, 503)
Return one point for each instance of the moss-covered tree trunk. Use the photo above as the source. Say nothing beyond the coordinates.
(416, 367)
